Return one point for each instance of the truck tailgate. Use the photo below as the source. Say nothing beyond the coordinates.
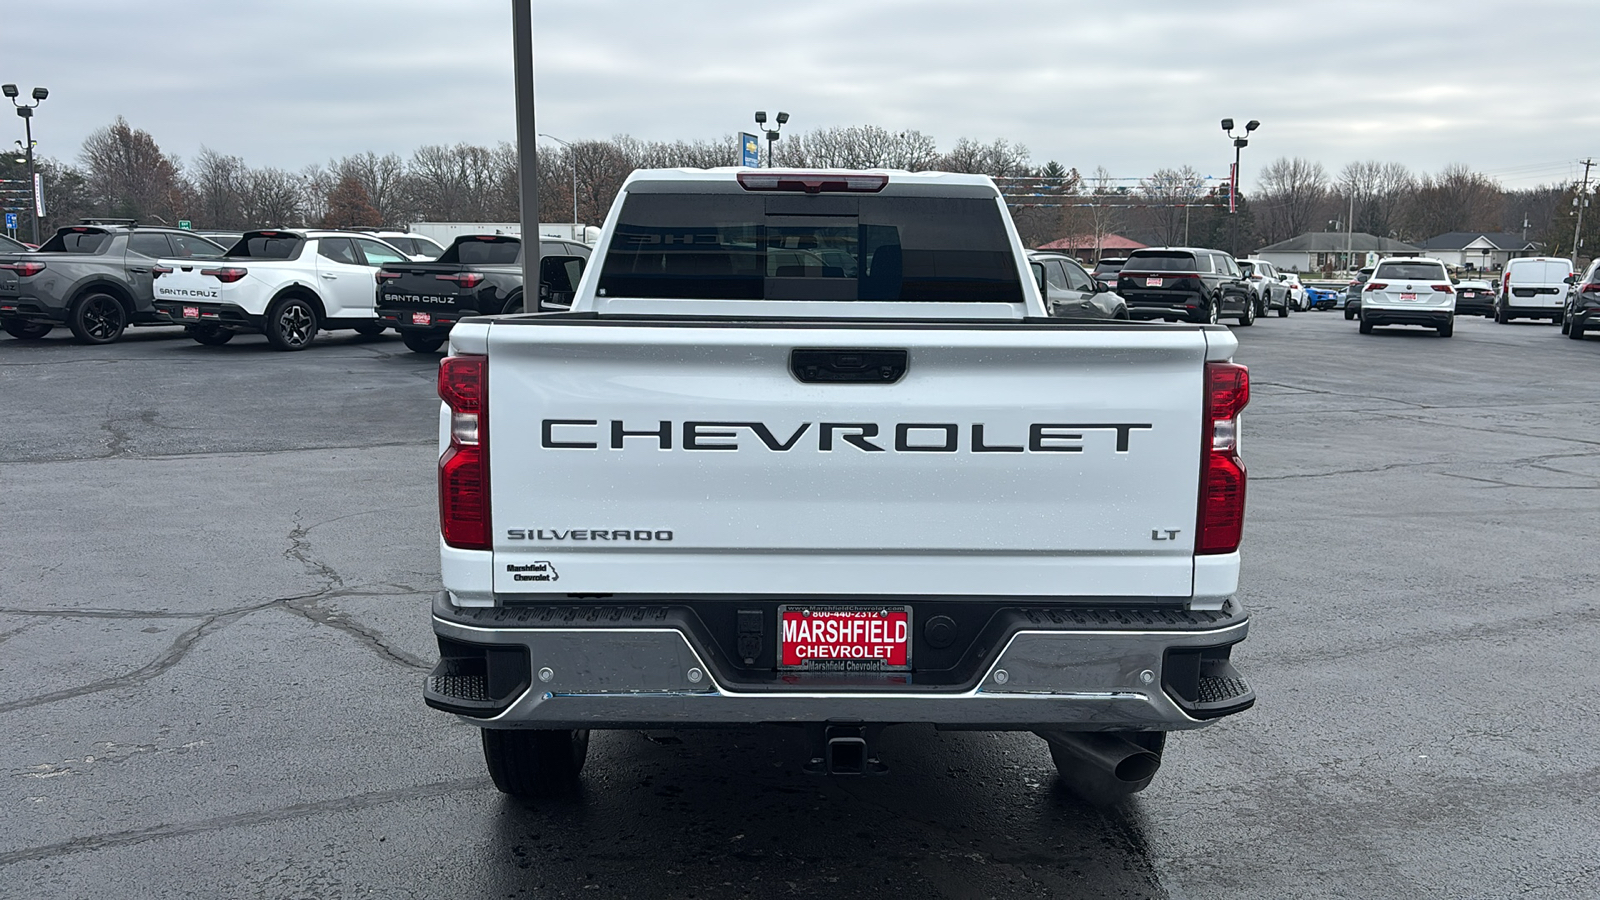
(648, 457)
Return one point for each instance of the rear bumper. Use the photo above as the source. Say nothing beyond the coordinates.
(28, 309)
(1162, 304)
(607, 666)
(439, 321)
(1389, 315)
(224, 315)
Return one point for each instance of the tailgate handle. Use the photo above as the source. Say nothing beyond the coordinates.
(835, 366)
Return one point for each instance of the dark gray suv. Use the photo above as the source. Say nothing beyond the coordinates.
(93, 278)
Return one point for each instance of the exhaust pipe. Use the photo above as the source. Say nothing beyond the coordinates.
(1108, 752)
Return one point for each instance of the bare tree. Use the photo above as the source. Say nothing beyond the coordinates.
(315, 184)
(349, 206)
(1169, 193)
(1290, 197)
(382, 177)
(1457, 199)
(999, 158)
(217, 181)
(860, 147)
(271, 198)
(454, 183)
(129, 176)
(1382, 192)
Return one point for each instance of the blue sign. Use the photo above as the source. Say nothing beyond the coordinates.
(11, 221)
(750, 153)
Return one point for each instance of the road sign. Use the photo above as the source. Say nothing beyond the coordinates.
(11, 221)
(184, 224)
(750, 151)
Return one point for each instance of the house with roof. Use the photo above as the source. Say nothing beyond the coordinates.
(1331, 251)
(1479, 250)
(1084, 247)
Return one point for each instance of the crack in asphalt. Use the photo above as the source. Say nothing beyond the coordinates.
(220, 454)
(290, 813)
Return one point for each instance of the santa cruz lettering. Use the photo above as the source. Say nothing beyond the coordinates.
(825, 437)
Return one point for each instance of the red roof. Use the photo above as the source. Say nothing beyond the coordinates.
(1086, 242)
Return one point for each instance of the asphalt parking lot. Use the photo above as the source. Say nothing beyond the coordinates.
(214, 626)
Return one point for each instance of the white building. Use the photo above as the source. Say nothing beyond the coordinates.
(1331, 251)
(1479, 250)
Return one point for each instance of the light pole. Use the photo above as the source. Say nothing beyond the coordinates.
(25, 110)
(574, 164)
(772, 133)
(1239, 143)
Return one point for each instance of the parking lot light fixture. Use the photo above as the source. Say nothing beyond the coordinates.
(574, 162)
(1240, 141)
(772, 133)
(25, 110)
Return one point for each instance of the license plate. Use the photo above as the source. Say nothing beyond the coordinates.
(191, 312)
(418, 318)
(864, 638)
(1408, 296)
(1152, 282)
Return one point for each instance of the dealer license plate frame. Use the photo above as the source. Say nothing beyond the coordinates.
(842, 666)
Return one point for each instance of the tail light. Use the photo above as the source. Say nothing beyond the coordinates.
(1375, 286)
(381, 276)
(1592, 287)
(1443, 288)
(158, 271)
(464, 467)
(464, 279)
(226, 275)
(1222, 472)
(25, 269)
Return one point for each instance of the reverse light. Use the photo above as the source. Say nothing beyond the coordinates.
(812, 183)
(464, 279)
(1222, 473)
(226, 275)
(24, 269)
(464, 467)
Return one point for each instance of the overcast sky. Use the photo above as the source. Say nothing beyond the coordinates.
(1507, 88)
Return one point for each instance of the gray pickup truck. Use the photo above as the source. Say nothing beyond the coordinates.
(94, 278)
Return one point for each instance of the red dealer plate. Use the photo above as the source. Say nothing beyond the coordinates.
(1408, 296)
(421, 318)
(864, 638)
(191, 312)
(1152, 282)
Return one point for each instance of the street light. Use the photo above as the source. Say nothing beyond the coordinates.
(25, 110)
(574, 163)
(772, 133)
(1240, 142)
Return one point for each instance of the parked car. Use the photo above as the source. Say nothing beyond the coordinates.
(7, 245)
(1583, 303)
(1411, 290)
(1070, 292)
(1107, 268)
(1185, 284)
(1323, 296)
(478, 275)
(1534, 287)
(1270, 292)
(419, 247)
(1297, 291)
(95, 278)
(1475, 298)
(287, 285)
(1352, 292)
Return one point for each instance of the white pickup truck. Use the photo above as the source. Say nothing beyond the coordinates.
(287, 285)
(807, 450)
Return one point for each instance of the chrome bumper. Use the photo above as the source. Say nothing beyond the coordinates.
(620, 677)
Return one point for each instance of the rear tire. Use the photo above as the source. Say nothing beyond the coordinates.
(513, 306)
(1249, 317)
(1447, 328)
(26, 331)
(1349, 313)
(1575, 330)
(1501, 316)
(422, 342)
(97, 319)
(1283, 311)
(535, 764)
(1366, 327)
(210, 335)
(1566, 325)
(1561, 318)
(369, 329)
(291, 324)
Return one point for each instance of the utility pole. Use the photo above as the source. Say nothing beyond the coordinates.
(527, 149)
(1581, 200)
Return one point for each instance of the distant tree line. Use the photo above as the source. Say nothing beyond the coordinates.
(122, 172)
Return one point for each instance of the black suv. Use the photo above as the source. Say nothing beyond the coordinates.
(93, 278)
(1186, 283)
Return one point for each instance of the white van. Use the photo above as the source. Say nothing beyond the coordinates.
(1533, 287)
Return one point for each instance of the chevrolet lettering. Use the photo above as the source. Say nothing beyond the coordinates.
(821, 457)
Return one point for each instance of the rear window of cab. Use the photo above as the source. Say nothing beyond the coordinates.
(1411, 271)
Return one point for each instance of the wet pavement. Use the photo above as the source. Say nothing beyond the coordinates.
(217, 564)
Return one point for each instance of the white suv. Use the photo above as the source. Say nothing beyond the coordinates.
(1533, 287)
(1409, 290)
